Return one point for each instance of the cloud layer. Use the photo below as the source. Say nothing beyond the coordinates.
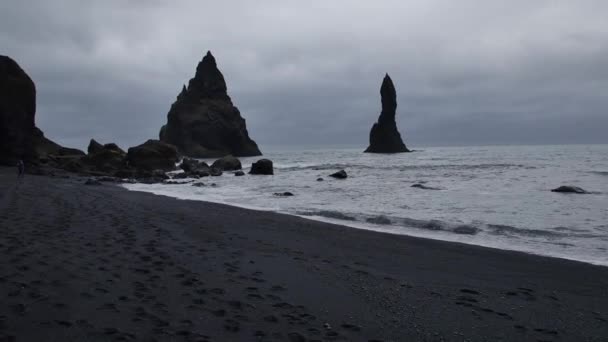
(466, 72)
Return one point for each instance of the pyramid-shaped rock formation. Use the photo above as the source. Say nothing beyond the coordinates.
(203, 122)
(384, 136)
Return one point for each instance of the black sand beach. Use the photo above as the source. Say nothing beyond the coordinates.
(99, 263)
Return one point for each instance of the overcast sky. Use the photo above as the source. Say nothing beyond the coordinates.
(309, 72)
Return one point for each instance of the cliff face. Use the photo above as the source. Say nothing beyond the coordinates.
(384, 136)
(17, 111)
(203, 122)
(19, 136)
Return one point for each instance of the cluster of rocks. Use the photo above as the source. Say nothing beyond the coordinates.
(202, 123)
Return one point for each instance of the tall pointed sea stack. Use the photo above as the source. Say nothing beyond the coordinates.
(384, 136)
(203, 122)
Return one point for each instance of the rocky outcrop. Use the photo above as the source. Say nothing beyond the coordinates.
(153, 155)
(94, 147)
(384, 136)
(203, 122)
(262, 167)
(107, 158)
(19, 136)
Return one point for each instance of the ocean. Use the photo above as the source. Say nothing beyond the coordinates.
(494, 196)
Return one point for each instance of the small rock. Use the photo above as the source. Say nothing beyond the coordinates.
(320, 179)
(283, 194)
(339, 175)
(570, 189)
(216, 172)
(199, 184)
(239, 173)
(422, 186)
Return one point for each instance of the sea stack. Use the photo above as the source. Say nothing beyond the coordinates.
(203, 122)
(384, 136)
(19, 136)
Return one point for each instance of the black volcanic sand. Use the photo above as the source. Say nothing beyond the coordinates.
(99, 263)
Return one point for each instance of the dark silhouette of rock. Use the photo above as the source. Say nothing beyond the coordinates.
(424, 187)
(153, 155)
(320, 179)
(113, 147)
(340, 175)
(283, 194)
(262, 167)
(227, 163)
(203, 122)
(94, 147)
(216, 172)
(570, 189)
(19, 136)
(108, 158)
(384, 136)
(92, 181)
(239, 173)
(17, 111)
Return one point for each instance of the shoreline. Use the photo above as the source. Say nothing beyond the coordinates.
(362, 226)
(102, 263)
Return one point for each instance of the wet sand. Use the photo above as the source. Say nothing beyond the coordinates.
(99, 263)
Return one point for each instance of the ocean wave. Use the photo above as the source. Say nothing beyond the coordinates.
(556, 233)
(442, 167)
(382, 220)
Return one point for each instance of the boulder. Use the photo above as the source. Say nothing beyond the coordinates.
(203, 122)
(339, 175)
(239, 173)
(570, 189)
(194, 168)
(106, 160)
(153, 155)
(384, 136)
(262, 167)
(227, 163)
(320, 179)
(94, 147)
(189, 164)
(215, 172)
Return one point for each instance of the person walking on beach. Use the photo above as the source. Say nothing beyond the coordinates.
(20, 168)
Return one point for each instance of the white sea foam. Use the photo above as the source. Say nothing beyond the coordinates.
(491, 196)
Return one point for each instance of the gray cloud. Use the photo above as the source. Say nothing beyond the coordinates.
(466, 72)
